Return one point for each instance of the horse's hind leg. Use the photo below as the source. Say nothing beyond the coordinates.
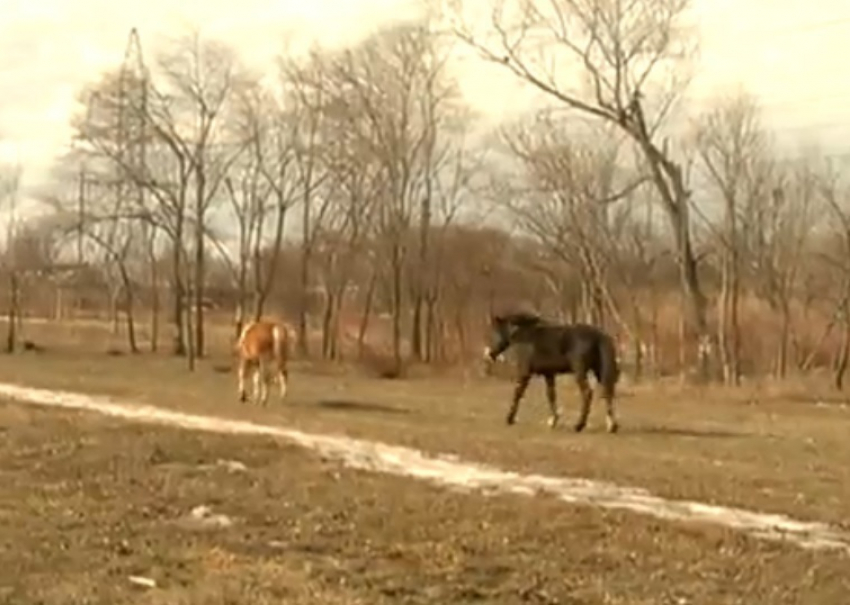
(611, 415)
(282, 377)
(260, 383)
(554, 414)
(610, 411)
(243, 370)
(265, 382)
(519, 391)
(607, 385)
(586, 398)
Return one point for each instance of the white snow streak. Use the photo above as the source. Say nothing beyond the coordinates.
(448, 471)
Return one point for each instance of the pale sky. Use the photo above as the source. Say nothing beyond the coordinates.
(794, 56)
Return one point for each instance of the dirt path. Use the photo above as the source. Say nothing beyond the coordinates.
(455, 473)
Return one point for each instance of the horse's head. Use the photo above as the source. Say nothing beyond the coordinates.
(503, 332)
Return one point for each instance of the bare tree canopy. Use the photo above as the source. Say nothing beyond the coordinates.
(356, 193)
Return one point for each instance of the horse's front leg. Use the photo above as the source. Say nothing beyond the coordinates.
(519, 391)
(554, 414)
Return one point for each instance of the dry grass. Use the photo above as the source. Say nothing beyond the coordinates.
(379, 539)
(775, 455)
(87, 502)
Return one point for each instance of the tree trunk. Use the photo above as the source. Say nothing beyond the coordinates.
(367, 312)
(306, 254)
(58, 303)
(304, 301)
(327, 320)
(781, 363)
(12, 316)
(396, 285)
(844, 353)
(695, 304)
(190, 342)
(430, 325)
(179, 296)
(420, 281)
(723, 320)
(637, 351)
(670, 184)
(263, 284)
(730, 350)
(199, 289)
(130, 311)
(682, 341)
(461, 334)
(155, 302)
(416, 327)
(241, 294)
(734, 325)
(336, 352)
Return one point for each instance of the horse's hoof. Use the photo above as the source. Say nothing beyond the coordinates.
(613, 427)
(510, 421)
(578, 428)
(553, 422)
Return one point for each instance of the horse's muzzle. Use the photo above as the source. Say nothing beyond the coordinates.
(489, 359)
(490, 355)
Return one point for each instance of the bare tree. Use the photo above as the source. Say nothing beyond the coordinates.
(198, 81)
(310, 88)
(836, 195)
(188, 151)
(567, 199)
(732, 148)
(96, 215)
(342, 238)
(267, 186)
(452, 183)
(166, 174)
(10, 182)
(626, 53)
(394, 91)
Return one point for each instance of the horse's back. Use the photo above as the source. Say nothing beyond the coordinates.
(602, 353)
(264, 337)
(567, 348)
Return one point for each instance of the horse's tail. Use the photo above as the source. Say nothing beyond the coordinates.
(240, 338)
(280, 335)
(609, 370)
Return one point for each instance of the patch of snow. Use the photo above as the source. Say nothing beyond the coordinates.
(452, 472)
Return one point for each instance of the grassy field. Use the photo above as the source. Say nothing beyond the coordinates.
(90, 502)
(87, 503)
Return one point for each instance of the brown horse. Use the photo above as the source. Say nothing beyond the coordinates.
(547, 349)
(262, 344)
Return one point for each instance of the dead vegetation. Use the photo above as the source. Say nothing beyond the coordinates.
(759, 448)
(350, 194)
(99, 512)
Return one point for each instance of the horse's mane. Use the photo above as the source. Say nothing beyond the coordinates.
(521, 319)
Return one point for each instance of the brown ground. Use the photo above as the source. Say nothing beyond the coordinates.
(422, 544)
(87, 502)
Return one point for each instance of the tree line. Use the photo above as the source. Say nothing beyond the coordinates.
(357, 193)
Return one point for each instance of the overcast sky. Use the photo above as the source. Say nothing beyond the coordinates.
(791, 54)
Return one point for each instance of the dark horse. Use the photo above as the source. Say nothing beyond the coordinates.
(548, 349)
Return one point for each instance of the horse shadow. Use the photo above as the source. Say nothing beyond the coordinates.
(674, 431)
(349, 405)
